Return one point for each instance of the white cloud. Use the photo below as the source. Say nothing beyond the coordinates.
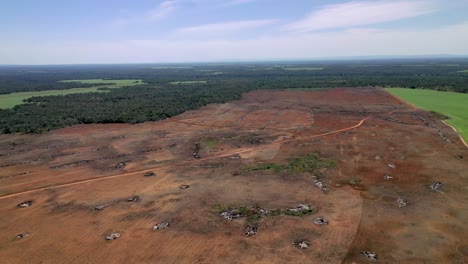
(226, 28)
(163, 10)
(360, 13)
(450, 40)
(237, 2)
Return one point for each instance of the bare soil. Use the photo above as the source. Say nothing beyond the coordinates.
(68, 172)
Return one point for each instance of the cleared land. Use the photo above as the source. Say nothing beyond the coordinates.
(303, 89)
(252, 153)
(10, 100)
(453, 105)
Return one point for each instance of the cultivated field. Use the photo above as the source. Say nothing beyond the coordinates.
(452, 105)
(188, 82)
(12, 99)
(249, 154)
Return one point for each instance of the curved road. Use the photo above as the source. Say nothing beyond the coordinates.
(180, 163)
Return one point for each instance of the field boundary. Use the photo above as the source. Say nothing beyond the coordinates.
(456, 131)
(416, 108)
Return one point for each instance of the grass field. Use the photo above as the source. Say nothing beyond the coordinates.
(303, 68)
(463, 71)
(188, 82)
(453, 105)
(115, 83)
(10, 100)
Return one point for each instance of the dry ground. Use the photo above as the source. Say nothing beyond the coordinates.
(70, 171)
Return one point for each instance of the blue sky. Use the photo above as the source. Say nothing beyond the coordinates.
(121, 31)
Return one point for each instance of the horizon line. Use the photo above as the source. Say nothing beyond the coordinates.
(318, 59)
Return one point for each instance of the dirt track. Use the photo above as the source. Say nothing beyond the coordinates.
(70, 171)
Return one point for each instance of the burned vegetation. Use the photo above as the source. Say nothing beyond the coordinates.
(254, 214)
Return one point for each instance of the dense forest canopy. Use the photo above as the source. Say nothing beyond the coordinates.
(171, 89)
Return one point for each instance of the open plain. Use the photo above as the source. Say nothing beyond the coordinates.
(80, 178)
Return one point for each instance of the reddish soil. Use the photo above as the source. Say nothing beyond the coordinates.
(68, 172)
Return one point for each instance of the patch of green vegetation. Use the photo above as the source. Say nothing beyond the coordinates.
(300, 213)
(276, 212)
(309, 163)
(452, 105)
(10, 100)
(209, 143)
(303, 68)
(439, 115)
(187, 82)
(463, 71)
(354, 181)
(219, 208)
(253, 220)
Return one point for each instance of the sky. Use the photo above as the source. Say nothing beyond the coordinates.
(151, 31)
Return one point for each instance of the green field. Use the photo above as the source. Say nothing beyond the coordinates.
(188, 82)
(303, 68)
(453, 105)
(10, 100)
(464, 71)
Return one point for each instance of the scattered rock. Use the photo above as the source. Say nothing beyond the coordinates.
(112, 236)
(161, 226)
(22, 235)
(121, 164)
(436, 186)
(133, 199)
(320, 185)
(320, 221)
(402, 202)
(302, 244)
(150, 174)
(250, 231)
(184, 186)
(196, 152)
(460, 156)
(388, 177)
(378, 157)
(300, 208)
(100, 207)
(231, 214)
(25, 204)
(263, 211)
(371, 256)
(392, 165)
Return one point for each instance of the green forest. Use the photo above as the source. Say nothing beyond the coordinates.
(170, 89)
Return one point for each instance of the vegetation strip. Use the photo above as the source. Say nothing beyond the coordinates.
(308, 163)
